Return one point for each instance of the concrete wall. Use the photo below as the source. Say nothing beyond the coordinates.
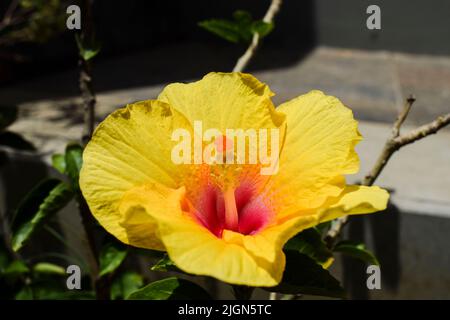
(406, 25)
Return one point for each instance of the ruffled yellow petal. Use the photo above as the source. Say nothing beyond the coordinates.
(355, 200)
(234, 258)
(130, 147)
(318, 150)
(225, 101)
(197, 251)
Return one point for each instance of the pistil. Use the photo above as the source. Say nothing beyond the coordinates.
(231, 213)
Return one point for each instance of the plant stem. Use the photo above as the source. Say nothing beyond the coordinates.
(100, 284)
(89, 100)
(85, 79)
(244, 60)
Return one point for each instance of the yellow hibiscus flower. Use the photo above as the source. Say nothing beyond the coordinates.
(227, 221)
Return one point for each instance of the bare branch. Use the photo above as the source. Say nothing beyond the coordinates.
(393, 143)
(402, 115)
(335, 231)
(423, 131)
(247, 56)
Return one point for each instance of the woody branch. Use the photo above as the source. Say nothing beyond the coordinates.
(395, 142)
(244, 60)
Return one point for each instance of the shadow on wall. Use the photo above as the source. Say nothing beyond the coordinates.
(412, 248)
(160, 41)
(384, 228)
(415, 26)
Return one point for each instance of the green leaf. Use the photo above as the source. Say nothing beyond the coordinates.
(310, 242)
(242, 16)
(16, 269)
(26, 293)
(15, 141)
(89, 53)
(303, 275)
(49, 268)
(262, 28)
(87, 50)
(74, 160)
(8, 114)
(165, 264)
(240, 29)
(225, 29)
(356, 250)
(59, 162)
(46, 199)
(125, 284)
(44, 292)
(55, 289)
(111, 257)
(66, 295)
(170, 289)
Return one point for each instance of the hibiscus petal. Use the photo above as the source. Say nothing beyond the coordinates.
(355, 200)
(199, 252)
(130, 147)
(234, 258)
(225, 101)
(318, 150)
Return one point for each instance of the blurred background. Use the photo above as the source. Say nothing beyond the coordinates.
(315, 44)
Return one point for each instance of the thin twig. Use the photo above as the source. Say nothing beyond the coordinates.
(423, 131)
(393, 143)
(85, 79)
(247, 56)
(402, 115)
(89, 100)
(88, 225)
(335, 231)
(100, 284)
(390, 146)
(88, 96)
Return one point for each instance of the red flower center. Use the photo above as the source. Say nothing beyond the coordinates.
(238, 209)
